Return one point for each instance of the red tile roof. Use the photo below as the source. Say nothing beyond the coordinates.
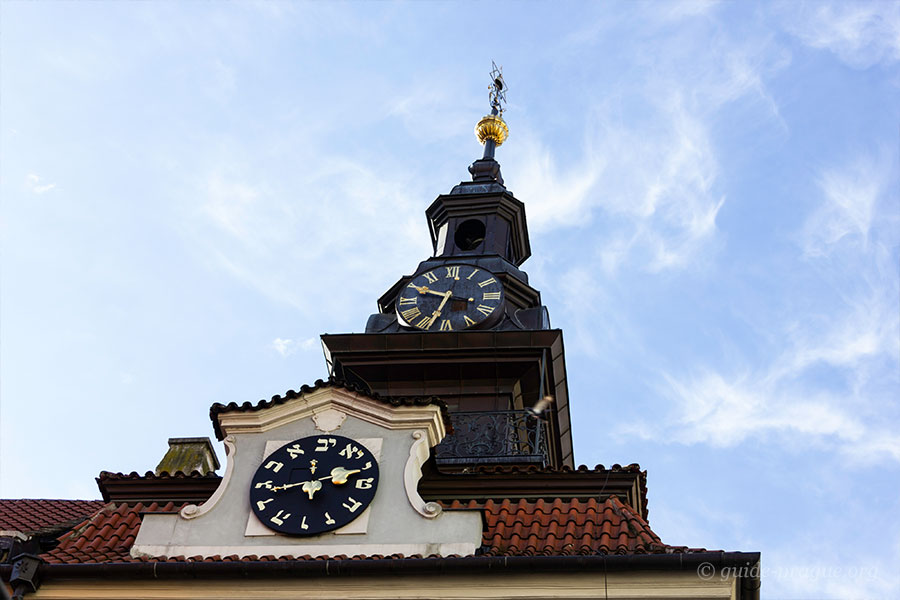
(560, 528)
(35, 516)
(521, 528)
(107, 536)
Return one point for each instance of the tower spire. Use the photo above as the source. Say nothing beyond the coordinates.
(491, 130)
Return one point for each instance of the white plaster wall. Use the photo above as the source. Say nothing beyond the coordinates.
(393, 525)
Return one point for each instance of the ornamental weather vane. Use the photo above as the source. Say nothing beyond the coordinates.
(497, 89)
(491, 131)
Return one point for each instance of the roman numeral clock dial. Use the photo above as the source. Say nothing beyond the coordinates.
(313, 485)
(451, 298)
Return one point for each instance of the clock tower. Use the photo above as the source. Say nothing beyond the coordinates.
(467, 326)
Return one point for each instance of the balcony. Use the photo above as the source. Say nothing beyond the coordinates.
(508, 437)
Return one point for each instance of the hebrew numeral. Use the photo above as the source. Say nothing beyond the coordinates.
(295, 451)
(323, 444)
(274, 463)
(328, 519)
(261, 504)
(364, 484)
(349, 451)
(353, 506)
(280, 521)
(303, 524)
(265, 484)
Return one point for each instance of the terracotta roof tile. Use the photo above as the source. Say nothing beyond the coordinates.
(331, 382)
(520, 528)
(107, 536)
(564, 528)
(41, 516)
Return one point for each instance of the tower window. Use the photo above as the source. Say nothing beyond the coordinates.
(469, 234)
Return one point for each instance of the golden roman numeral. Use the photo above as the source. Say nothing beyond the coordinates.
(431, 277)
(490, 296)
(424, 322)
(472, 273)
(452, 272)
(414, 300)
(445, 325)
(469, 322)
(484, 309)
(410, 314)
(487, 282)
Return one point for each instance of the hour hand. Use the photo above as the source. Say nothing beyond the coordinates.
(311, 487)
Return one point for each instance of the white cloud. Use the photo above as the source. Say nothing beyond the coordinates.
(284, 240)
(861, 34)
(850, 195)
(287, 346)
(33, 182)
(834, 382)
(656, 182)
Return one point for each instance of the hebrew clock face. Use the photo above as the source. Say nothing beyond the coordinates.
(450, 298)
(313, 485)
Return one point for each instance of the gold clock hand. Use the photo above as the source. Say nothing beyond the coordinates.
(437, 313)
(286, 486)
(311, 487)
(339, 475)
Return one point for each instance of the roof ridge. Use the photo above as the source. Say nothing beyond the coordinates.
(332, 382)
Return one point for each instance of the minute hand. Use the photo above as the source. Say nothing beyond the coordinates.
(437, 313)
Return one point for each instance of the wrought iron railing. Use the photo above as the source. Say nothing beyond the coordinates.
(509, 436)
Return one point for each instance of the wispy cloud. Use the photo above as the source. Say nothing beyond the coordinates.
(861, 34)
(287, 248)
(850, 195)
(287, 346)
(835, 379)
(655, 182)
(33, 183)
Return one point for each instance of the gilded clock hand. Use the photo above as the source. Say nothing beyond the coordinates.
(286, 486)
(339, 475)
(311, 487)
(437, 313)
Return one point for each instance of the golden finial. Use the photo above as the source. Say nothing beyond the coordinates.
(492, 127)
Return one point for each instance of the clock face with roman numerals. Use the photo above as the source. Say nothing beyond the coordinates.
(451, 298)
(313, 485)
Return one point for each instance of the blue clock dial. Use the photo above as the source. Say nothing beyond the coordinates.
(313, 485)
(451, 298)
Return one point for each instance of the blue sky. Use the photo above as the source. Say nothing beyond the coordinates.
(192, 192)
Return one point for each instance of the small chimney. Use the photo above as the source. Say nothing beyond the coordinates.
(189, 455)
